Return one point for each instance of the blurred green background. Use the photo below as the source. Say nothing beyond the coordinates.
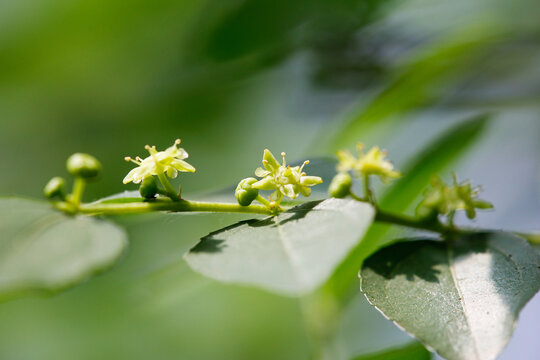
(231, 78)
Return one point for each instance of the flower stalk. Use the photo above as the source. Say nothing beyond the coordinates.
(78, 189)
(180, 205)
(169, 189)
(284, 180)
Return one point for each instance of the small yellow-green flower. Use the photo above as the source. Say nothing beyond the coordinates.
(169, 162)
(444, 199)
(371, 163)
(285, 180)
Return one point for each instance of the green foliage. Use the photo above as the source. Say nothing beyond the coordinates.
(413, 351)
(45, 250)
(231, 77)
(419, 84)
(291, 254)
(461, 297)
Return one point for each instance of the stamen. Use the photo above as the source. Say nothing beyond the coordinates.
(129, 159)
(177, 142)
(304, 164)
(283, 155)
(151, 149)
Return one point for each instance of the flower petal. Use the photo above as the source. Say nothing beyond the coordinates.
(305, 191)
(276, 195)
(265, 184)
(346, 161)
(260, 172)
(178, 153)
(136, 175)
(288, 190)
(310, 180)
(269, 161)
(172, 172)
(181, 165)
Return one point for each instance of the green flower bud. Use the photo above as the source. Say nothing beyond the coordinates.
(148, 188)
(340, 186)
(55, 188)
(245, 193)
(84, 166)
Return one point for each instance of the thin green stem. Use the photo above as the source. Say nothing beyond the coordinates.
(368, 194)
(451, 216)
(78, 190)
(162, 192)
(356, 197)
(262, 200)
(180, 205)
(432, 225)
(164, 205)
(171, 192)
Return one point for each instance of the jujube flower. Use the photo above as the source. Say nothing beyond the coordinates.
(285, 180)
(169, 161)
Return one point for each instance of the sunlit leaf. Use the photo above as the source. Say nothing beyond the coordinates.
(290, 254)
(461, 298)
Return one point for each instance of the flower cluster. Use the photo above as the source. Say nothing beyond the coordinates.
(443, 199)
(372, 163)
(285, 180)
(169, 162)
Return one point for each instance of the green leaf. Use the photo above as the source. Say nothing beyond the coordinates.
(413, 351)
(42, 249)
(462, 298)
(433, 158)
(291, 254)
(533, 238)
(422, 82)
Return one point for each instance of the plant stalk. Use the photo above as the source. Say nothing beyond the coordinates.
(165, 205)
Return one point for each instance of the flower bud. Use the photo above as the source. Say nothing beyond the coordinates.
(148, 188)
(245, 193)
(55, 188)
(340, 186)
(84, 166)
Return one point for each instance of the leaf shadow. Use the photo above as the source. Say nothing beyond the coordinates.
(405, 258)
(215, 241)
(296, 213)
(212, 243)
